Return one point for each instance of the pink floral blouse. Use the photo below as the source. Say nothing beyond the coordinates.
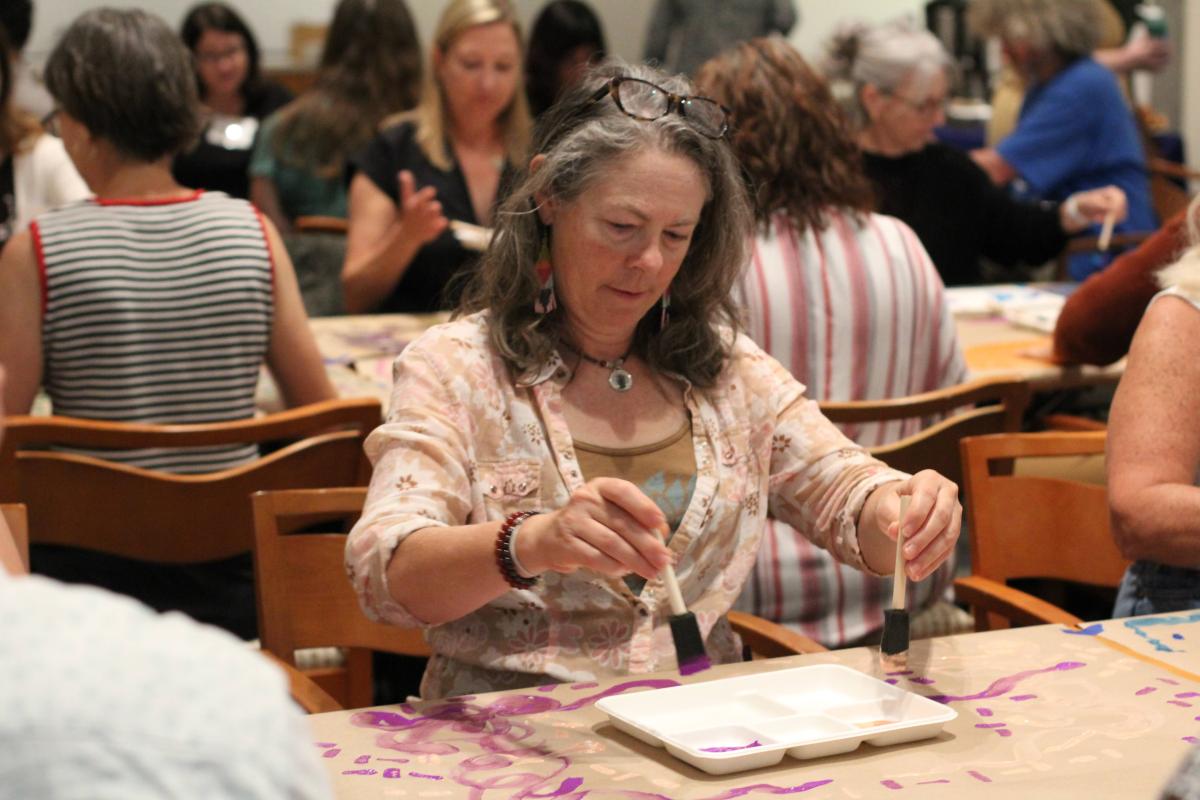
(464, 443)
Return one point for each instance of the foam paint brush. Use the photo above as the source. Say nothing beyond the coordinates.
(893, 647)
(1106, 231)
(685, 630)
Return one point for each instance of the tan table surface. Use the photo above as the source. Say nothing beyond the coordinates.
(1044, 712)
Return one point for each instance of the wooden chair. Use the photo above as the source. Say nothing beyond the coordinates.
(305, 42)
(307, 693)
(92, 503)
(766, 639)
(18, 524)
(304, 598)
(316, 224)
(1024, 526)
(936, 447)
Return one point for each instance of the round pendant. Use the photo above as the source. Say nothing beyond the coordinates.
(620, 380)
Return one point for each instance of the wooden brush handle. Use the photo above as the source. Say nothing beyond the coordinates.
(674, 596)
(899, 581)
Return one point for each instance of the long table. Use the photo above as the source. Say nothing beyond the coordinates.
(1104, 711)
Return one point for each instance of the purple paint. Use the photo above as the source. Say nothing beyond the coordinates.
(393, 772)
(692, 666)
(892, 681)
(1180, 703)
(1177, 636)
(1004, 731)
(408, 709)
(1171, 681)
(922, 681)
(891, 784)
(979, 776)
(359, 772)
(1146, 690)
(588, 685)
(1187, 694)
(755, 743)
(331, 753)
(984, 712)
(550, 688)
(990, 725)
(939, 780)
(325, 744)
(425, 776)
(899, 672)
(1091, 630)
(767, 788)
(362, 759)
(1191, 740)
(1020, 698)
(1002, 686)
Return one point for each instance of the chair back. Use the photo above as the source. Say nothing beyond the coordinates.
(1033, 526)
(762, 638)
(304, 597)
(96, 504)
(969, 409)
(18, 525)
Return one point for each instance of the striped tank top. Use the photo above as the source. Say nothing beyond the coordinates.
(156, 312)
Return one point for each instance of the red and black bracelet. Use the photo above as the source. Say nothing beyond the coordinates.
(504, 554)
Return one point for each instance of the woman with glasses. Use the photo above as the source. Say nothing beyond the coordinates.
(892, 80)
(426, 185)
(816, 249)
(236, 100)
(593, 416)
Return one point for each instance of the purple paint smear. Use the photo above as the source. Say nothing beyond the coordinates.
(1091, 630)
(694, 665)
(891, 784)
(325, 744)
(984, 712)
(393, 772)
(922, 681)
(549, 688)
(588, 685)
(1187, 694)
(1004, 731)
(755, 743)
(425, 776)
(899, 672)
(362, 759)
(990, 724)
(359, 772)
(979, 776)
(1002, 686)
(1191, 740)
(1171, 681)
(1017, 698)
(892, 681)
(1146, 690)
(1180, 703)
(331, 753)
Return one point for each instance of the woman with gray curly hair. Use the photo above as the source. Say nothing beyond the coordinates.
(1075, 131)
(593, 417)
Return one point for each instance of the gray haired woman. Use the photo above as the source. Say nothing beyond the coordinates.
(892, 80)
(592, 418)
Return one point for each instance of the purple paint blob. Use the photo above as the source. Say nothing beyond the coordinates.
(359, 772)
(331, 753)
(990, 724)
(1091, 630)
(362, 759)
(922, 681)
(1191, 740)
(1187, 694)
(755, 743)
(1018, 698)
(1180, 703)
(1146, 690)
(892, 681)
(393, 772)
(550, 688)
(979, 776)
(891, 784)
(1004, 731)
(425, 776)
(325, 744)
(692, 666)
(588, 685)
(1177, 636)
(1171, 681)
(1002, 686)
(984, 712)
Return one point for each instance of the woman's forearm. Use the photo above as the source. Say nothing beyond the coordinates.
(878, 549)
(371, 275)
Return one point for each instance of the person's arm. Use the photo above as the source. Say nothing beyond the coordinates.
(293, 357)
(20, 323)
(266, 198)
(1138, 52)
(1154, 440)
(383, 239)
(1099, 319)
(998, 170)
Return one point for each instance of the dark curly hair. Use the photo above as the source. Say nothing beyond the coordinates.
(795, 145)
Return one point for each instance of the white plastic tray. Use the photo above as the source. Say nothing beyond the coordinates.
(752, 721)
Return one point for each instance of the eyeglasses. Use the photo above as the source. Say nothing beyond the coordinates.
(645, 101)
(209, 57)
(927, 107)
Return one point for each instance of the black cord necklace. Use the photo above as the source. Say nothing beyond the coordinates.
(618, 377)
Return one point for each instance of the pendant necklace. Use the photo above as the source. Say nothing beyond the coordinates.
(618, 377)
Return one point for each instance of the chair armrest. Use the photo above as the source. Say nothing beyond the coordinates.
(1072, 422)
(771, 639)
(987, 595)
(315, 224)
(307, 694)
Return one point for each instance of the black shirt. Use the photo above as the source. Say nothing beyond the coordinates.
(221, 164)
(438, 273)
(960, 215)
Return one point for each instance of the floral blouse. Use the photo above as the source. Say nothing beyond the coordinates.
(466, 443)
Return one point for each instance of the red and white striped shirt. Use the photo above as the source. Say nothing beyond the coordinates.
(855, 311)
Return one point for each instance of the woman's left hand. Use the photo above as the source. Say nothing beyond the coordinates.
(932, 524)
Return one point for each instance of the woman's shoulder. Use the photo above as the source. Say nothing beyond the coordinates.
(456, 338)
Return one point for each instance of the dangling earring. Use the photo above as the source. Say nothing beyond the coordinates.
(545, 301)
(665, 316)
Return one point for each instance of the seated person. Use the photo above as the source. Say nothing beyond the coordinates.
(593, 417)
(565, 39)
(892, 80)
(151, 303)
(445, 161)
(1154, 451)
(1075, 131)
(817, 248)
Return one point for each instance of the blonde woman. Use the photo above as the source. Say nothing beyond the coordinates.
(444, 161)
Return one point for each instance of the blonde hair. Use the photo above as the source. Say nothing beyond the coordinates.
(1184, 274)
(1072, 27)
(430, 115)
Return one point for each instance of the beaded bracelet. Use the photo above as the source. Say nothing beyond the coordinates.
(504, 554)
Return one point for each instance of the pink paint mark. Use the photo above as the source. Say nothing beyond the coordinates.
(549, 688)
(325, 744)
(892, 681)
(1002, 686)
(1004, 732)
(1191, 740)
(331, 753)
(990, 724)
(362, 759)
(1018, 698)
(1188, 694)
(1171, 681)
(891, 784)
(393, 772)
(767, 788)
(1180, 703)
(979, 776)
(407, 708)
(425, 776)
(939, 780)
(984, 712)
(588, 685)
(755, 743)
(922, 681)
(359, 772)
(1146, 690)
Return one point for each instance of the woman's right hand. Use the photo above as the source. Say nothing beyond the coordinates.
(608, 526)
(420, 211)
